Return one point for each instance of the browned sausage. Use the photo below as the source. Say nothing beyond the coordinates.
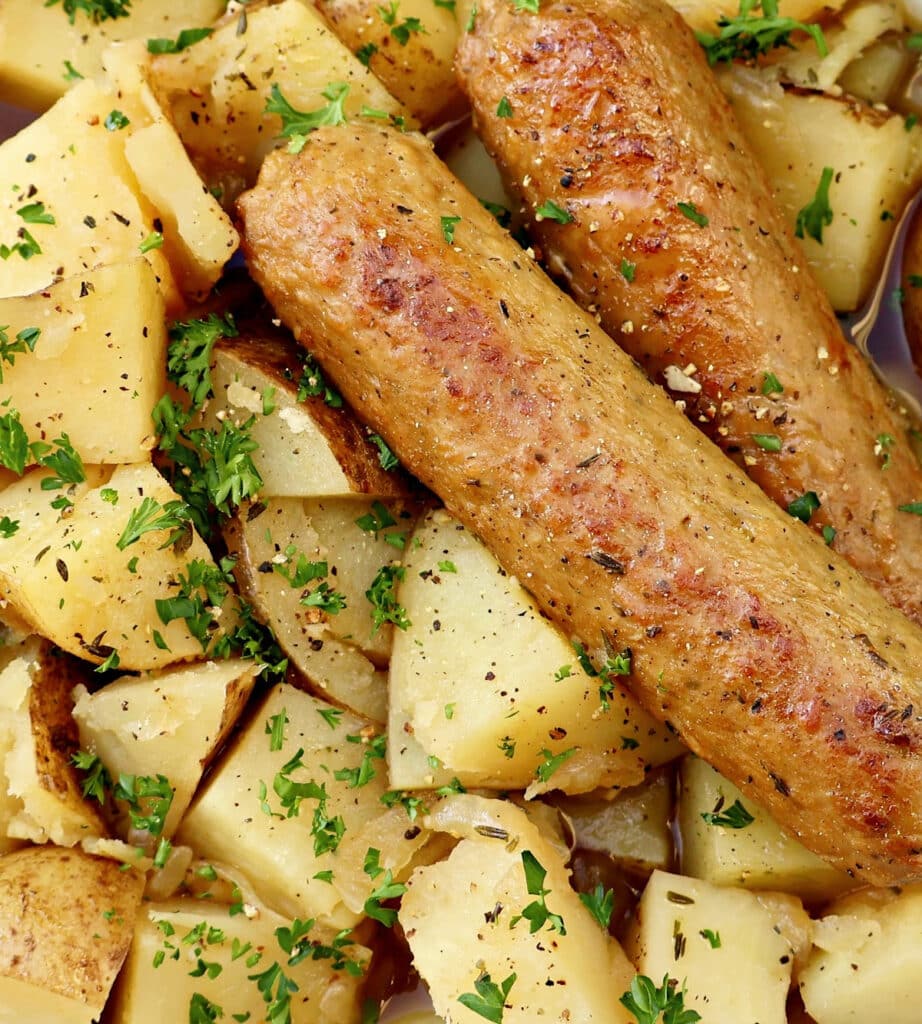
(774, 659)
(616, 118)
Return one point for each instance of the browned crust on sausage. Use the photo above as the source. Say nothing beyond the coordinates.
(617, 118)
(773, 658)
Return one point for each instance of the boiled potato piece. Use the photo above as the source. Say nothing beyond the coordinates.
(307, 448)
(275, 852)
(633, 828)
(339, 653)
(757, 856)
(38, 41)
(66, 921)
(40, 783)
(217, 90)
(458, 914)
(703, 14)
(98, 360)
(866, 959)
(71, 163)
(484, 683)
(876, 165)
(169, 723)
(410, 46)
(721, 944)
(154, 987)
(66, 576)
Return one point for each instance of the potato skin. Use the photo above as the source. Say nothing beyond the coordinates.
(617, 119)
(773, 658)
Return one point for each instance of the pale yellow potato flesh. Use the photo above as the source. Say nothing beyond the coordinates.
(99, 360)
(703, 14)
(170, 723)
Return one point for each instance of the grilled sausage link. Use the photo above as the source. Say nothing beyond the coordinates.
(672, 235)
(774, 659)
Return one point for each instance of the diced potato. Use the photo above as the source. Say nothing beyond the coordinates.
(703, 14)
(217, 90)
(41, 787)
(458, 914)
(720, 944)
(66, 921)
(338, 653)
(410, 47)
(483, 682)
(276, 853)
(37, 41)
(66, 577)
(171, 723)
(876, 162)
(866, 959)
(633, 828)
(877, 74)
(69, 161)
(98, 360)
(758, 856)
(149, 994)
(307, 449)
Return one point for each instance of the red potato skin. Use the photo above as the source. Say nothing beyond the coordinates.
(774, 659)
(616, 117)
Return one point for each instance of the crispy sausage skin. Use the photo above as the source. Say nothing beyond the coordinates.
(773, 658)
(616, 118)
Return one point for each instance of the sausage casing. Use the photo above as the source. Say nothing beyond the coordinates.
(675, 240)
(773, 658)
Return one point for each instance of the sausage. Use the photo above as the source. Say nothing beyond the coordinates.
(616, 118)
(771, 656)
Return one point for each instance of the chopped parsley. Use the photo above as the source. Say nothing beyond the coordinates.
(8, 527)
(488, 999)
(692, 212)
(298, 124)
(532, 6)
(914, 508)
(549, 210)
(771, 385)
(153, 241)
(149, 799)
(35, 213)
(628, 270)
(203, 583)
(365, 772)
(401, 31)
(537, 913)
(95, 10)
(735, 816)
(383, 598)
(387, 890)
(817, 214)
(386, 458)
(366, 52)
(712, 937)
(189, 353)
(551, 763)
(22, 344)
(746, 36)
(882, 445)
(313, 384)
(186, 38)
(97, 781)
(802, 508)
(600, 903)
(115, 121)
(767, 442)
(646, 1002)
(504, 108)
(150, 516)
(448, 228)
(275, 730)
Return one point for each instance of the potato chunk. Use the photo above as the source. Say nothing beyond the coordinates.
(757, 856)
(38, 41)
(703, 14)
(41, 786)
(721, 944)
(483, 682)
(238, 818)
(64, 574)
(157, 986)
(866, 959)
(170, 723)
(876, 166)
(458, 918)
(98, 360)
(66, 921)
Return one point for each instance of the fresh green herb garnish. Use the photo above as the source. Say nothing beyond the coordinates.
(189, 354)
(366, 52)
(628, 270)
(150, 516)
(768, 442)
(647, 1002)
(98, 782)
(382, 596)
(746, 36)
(735, 816)
(712, 937)
(488, 999)
(298, 124)
(802, 508)
(386, 458)
(771, 385)
(95, 10)
(448, 228)
(537, 913)
(23, 343)
(600, 903)
(692, 212)
(817, 214)
(365, 772)
(153, 241)
(186, 38)
(504, 108)
(551, 763)
(387, 890)
(115, 121)
(549, 210)
(914, 508)
(275, 730)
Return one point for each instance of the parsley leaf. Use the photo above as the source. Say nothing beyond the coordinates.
(8, 527)
(747, 37)
(504, 108)
(549, 210)
(95, 10)
(115, 121)
(313, 384)
(489, 999)
(151, 516)
(914, 508)
(735, 816)
(448, 228)
(646, 1002)
(275, 730)
(817, 214)
(189, 353)
(692, 212)
(186, 38)
(551, 763)
(298, 124)
(767, 442)
(366, 52)
(382, 596)
(771, 385)
(386, 458)
(537, 913)
(600, 903)
(23, 343)
(802, 508)
(387, 890)
(97, 782)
